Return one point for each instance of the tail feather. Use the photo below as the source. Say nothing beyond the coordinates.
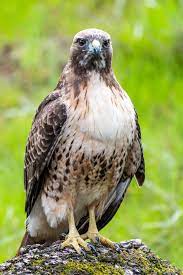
(27, 240)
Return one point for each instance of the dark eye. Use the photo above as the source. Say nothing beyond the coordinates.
(81, 42)
(106, 43)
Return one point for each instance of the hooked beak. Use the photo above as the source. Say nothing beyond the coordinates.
(95, 47)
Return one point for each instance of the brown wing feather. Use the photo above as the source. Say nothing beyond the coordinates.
(140, 173)
(43, 137)
(135, 165)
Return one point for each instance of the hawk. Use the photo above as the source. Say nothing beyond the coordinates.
(83, 149)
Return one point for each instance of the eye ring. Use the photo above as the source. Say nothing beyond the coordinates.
(81, 42)
(106, 43)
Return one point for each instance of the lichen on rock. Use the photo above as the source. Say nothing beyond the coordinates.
(131, 257)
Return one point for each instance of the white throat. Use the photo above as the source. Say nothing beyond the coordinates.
(110, 112)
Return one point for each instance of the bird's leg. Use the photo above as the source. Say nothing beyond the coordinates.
(73, 238)
(93, 233)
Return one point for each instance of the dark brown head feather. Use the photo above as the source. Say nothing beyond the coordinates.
(83, 59)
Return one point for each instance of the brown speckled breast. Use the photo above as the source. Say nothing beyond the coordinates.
(90, 156)
(73, 170)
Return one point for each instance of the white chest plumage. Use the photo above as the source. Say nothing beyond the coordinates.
(110, 116)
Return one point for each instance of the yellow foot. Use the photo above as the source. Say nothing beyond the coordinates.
(75, 241)
(96, 237)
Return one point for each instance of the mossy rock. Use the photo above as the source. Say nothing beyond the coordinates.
(131, 257)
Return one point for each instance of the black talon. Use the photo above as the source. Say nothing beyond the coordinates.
(117, 248)
(62, 236)
(97, 239)
(92, 247)
(83, 252)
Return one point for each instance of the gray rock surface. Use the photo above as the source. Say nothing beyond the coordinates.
(130, 258)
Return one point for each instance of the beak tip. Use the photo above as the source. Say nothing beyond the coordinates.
(96, 51)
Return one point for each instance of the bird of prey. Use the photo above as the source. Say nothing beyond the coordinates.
(83, 149)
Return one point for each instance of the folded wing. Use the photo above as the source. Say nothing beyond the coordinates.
(44, 136)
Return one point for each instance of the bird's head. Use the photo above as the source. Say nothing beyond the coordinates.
(91, 50)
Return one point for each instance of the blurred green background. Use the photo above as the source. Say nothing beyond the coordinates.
(148, 61)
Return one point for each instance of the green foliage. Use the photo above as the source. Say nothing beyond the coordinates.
(148, 59)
